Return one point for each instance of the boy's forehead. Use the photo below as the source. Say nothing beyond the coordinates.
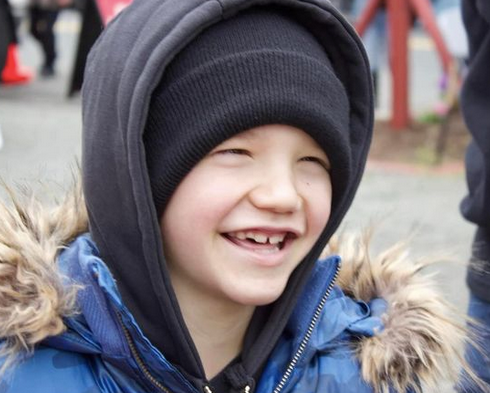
(252, 133)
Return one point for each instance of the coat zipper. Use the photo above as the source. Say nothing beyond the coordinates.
(137, 357)
(143, 368)
(307, 337)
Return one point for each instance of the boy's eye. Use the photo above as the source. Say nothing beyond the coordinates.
(234, 151)
(319, 161)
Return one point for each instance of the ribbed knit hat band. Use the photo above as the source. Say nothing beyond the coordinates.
(257, 68)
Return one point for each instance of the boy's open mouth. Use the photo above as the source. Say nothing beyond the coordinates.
(261, 241)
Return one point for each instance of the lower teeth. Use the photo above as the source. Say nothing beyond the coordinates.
(267, 250)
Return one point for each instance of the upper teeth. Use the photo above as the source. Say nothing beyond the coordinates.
(260, 237)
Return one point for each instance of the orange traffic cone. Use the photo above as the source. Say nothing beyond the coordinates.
(13, 73)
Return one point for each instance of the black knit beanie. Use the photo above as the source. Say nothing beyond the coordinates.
(259, 67)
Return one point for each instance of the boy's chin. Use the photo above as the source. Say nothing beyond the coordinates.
(257, 297)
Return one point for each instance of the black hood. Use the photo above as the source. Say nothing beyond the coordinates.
(123, 69)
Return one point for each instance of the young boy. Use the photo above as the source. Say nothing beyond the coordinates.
(223, 144)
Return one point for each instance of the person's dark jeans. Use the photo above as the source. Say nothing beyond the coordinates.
(479, 360)
(42, 29)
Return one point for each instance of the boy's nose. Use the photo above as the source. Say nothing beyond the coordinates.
(276, 191)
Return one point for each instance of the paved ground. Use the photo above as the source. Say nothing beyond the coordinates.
(42, 138)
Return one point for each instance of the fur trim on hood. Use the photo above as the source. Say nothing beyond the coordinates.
(424, 338)
(421, 345)
(33, 297)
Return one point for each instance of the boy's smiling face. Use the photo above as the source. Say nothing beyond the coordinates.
(246, 215)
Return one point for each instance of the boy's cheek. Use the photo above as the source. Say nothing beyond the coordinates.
(318, 212)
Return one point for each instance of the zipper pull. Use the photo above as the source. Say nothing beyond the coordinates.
(207, 389)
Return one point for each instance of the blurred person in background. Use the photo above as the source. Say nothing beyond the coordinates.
(7, 31)
(12, 71)
(43, 16)
(7, 36)
(475, 207)
(4, 31)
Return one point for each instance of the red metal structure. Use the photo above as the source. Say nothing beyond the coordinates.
(400, 14)
(108, 9)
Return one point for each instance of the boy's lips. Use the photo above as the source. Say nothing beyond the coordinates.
(262, 240)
